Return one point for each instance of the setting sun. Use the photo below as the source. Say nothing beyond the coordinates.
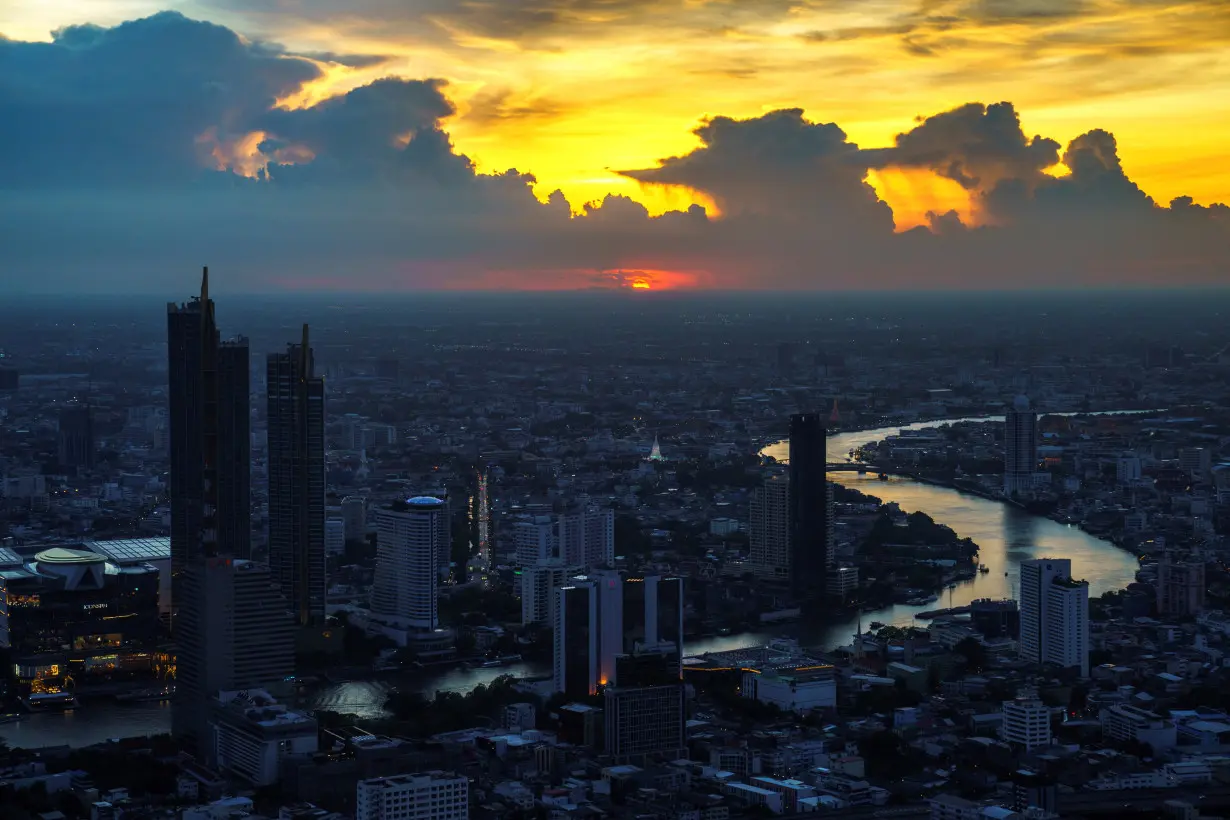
(641, 284)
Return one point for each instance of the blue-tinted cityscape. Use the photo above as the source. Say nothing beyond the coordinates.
(580, 555)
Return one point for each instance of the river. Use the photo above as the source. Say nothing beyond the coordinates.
(1005, 535)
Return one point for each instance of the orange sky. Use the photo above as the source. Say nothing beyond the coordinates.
(575, 90)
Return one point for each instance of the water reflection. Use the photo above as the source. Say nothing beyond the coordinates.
(1005, 534)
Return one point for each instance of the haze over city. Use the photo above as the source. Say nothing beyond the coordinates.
(375, 146)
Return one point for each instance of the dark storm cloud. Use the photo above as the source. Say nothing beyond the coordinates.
(779, 164)
(103, 184)
(126, 104)
(974, 145)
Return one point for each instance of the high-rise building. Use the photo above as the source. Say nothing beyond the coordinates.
(1180, 586)
(354, 514)
(538, 584)
(769, 529)
(605, 615)
(587, 537)
(232, 628)
(210, 485)
(535, 540)
(645, 721)
(810, 541)
(1020, 446)
(405, 585)
(234, 631)
(584, 537)
(425, 796)
(296, 417)
(1054, 614)
(76, 437)
(1026, 724)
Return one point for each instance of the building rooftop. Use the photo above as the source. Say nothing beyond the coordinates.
(133, 550)
(63, 555)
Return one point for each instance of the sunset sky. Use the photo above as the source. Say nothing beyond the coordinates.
(771, 143)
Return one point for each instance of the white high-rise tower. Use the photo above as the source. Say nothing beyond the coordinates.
(1054, 614)
(404, 590)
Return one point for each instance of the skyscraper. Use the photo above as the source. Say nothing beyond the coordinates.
(243, 639)
(810, 550)
(603, 616)
(1020, 446)
(1054, 614)
(404, 589)
(232, 627)
(76, 437)
(769, 529)
(210, 485)
(296, 415)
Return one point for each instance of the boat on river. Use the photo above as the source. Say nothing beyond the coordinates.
(160, 693)
(50, 702)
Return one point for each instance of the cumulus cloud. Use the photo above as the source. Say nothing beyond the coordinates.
(974, 145)
(155, 146)
(777, 165)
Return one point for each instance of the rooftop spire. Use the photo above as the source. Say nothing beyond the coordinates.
(205, 284)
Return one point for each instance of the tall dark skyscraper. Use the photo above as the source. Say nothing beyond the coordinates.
(296, 404)
(210, 401)
(808, 514)
(76, 440)
(230, 624)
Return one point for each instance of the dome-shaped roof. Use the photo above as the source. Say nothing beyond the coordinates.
(63, 555)
(424, 501)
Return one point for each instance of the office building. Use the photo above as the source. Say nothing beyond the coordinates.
(1054, 616)
(1026, 724)
(405, 585)
(810, 534)
(1020, 447)
(1180, 586)
(538, 585)
(769, 529)
(426, 796)
(210, 403)
(9, 378)
(354, 514)
(584, 537)
(296, 418)
(76, 437)
(242, 639)
(535, 540)
(995, 618)
(253, 733)
(605, 615)
(335, 536)
(645, 721)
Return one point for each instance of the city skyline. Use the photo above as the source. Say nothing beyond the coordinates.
(300, 149)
